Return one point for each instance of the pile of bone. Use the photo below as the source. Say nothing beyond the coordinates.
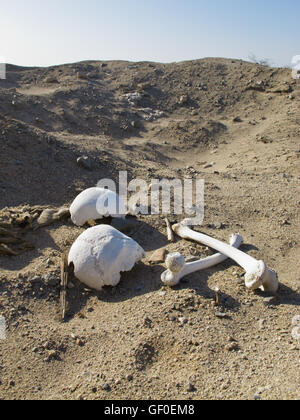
(102, 253)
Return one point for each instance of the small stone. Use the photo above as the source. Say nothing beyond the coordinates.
(51, 79)
(217, 225)
(51, 280)
(220, 315)
(52, 354)
(237, 120)
(183, 100)
(232, 347)
(296, 333)
(135, 124)
(106, 387)
(190, 387)
(209, 165)
(296, 320)
(158, 256)
(85, 162)
(35, 279)
(79, 342)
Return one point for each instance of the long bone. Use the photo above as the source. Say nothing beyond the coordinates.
(178, 268)
(258, 275)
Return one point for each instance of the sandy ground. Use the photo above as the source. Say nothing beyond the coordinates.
(143, 340)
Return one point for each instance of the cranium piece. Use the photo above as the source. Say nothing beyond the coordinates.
(178, 268)
(101, 254)
(96, 203)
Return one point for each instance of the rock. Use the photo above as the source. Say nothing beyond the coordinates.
(35, 280)
(51, 280)
(190, 387)
(217, 225)
(296, 320)
(52, 354)
(183, 100)
(296, 333)
(80, 342)
(135, 124)
(209, 165)
(82, 75)
(237, 120)
(232, 347)
(134, 98)
(51, 79)
(85, 162)
(220, 315)
(182, 320)
(106, 387)
(158, 256)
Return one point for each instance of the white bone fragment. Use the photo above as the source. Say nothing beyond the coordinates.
(178, 268)
(170, 233)
(101, 254)
(258, 275)
(96, 203)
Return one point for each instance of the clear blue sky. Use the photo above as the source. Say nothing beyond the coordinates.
(48, 32)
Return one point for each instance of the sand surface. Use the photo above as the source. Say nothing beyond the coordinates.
(234, 124)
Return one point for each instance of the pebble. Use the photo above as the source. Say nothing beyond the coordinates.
(296, 333)
(158, 256)
(190, 387)
(35, 279)
(232, 347)
(85, 162)
(106, 387)
(296, 320)
(209, 165)
(51, 280)
(220, 315)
